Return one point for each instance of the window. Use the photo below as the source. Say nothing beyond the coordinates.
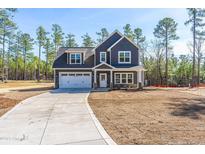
(102, 56)
(78, 74)
(71, 74)
(123, 78)
(130, 78)
(117, 78)
(86, 74)
(75, 58)
(63, 74)
(124, 57)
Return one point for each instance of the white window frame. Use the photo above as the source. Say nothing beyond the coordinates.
(101, 57)
(75, 58)
(119, 52)
(126, 78)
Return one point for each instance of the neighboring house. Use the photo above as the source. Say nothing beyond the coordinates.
(114, 63)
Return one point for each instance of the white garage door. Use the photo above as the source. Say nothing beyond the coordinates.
(75, 80)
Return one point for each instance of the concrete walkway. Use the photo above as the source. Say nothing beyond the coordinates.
(56, 117)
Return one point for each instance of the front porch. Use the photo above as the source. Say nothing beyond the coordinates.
(107, 76)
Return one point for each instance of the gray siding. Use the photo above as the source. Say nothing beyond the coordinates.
(105, 45)
(124, 45)
(98, 72)
(103, 67)
(61, 62)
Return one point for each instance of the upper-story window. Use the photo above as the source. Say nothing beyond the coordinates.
(75, 58)
(102, 56)
(124, 57)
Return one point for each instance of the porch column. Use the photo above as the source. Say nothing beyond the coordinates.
(143, 78)
(95, 80)
(139, 76)
(111, 82)
(139, 79)
(54, 77)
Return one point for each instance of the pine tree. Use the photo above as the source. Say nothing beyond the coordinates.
(49, 52)
(57, 35)
(102, 35)
(27, 45)
(6, 27)
(70, 41)
(87, 41)
(166, 31)
(128, 31)
(196, 21)
(41, 37)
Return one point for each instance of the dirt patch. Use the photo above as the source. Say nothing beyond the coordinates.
(10, 99)
(21, 83)
(151, 116)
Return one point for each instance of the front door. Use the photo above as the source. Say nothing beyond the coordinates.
(103, 80)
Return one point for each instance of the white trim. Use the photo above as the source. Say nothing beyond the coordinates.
(132, 42)
(121, 78)
(75, 57)
(72, 69)
(76, 73)
(54, 76)
(103, 63)
(130, 57)
(59, 75)
(103, 69)
(116, 31)
(94, 59)
(105, 79)
(67, 58)
(110, 58)
(95, 77)
(135, 68)
(70, 51)
(83, 58)
(105, 56)
(111, 78)
(109, 49)
(139, 76)
(128, 69)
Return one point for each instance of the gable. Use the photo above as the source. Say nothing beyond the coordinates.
(124, 45)
(108, 42)
(124, 41)
(103, 66)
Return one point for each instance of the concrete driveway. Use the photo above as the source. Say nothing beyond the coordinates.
(57, 117)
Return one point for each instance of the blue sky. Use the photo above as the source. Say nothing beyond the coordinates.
(79, 21)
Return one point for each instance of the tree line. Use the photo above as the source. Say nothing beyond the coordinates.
(18, 62)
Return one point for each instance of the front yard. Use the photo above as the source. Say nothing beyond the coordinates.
(23, 83)
(152, 116)
(20, 91)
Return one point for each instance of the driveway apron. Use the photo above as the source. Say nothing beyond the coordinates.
(57, 117)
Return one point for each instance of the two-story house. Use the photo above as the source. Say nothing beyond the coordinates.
(114, 63)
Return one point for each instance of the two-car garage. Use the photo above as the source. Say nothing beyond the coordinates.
(75, 80)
